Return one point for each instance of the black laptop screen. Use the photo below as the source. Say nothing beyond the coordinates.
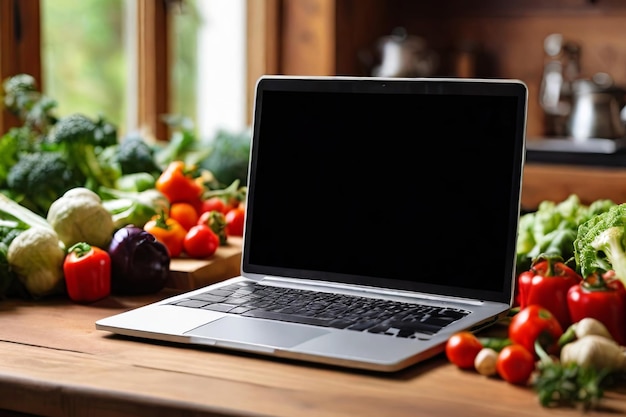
(407, 184)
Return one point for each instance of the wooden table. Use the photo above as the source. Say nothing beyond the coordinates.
(53, 362)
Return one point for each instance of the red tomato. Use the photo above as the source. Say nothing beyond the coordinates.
(214, 204)
(184, 213)
(235, 219)
(462, 348)
(515, 364)
(200, 241)
(535, 323)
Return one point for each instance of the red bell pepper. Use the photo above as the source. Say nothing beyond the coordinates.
(602, 298)
(87, 272)
(178, 184)
(546, 283)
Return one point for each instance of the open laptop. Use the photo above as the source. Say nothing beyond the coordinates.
(383, 192)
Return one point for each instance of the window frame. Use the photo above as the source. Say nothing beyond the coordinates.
(20, 35)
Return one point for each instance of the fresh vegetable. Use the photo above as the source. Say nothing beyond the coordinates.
(222, 199)
(183, 144)
(79, 216)
(184, 213)
(39, 178)
(228, 159)
(87, 271)
(23, 99)
(485, 362)
(461, 349)
(81, 139)
(567, 384)
(135, 155)
(8, 232)
(22, 217)
(177, 183)
(601, 299)
(584, 327)
(167, 231)
(552, 228)
(36, 256)
(216, 220)
(14, 220)
(140, 264)
(535, 323)
(136, 208)
(597, 352)
(200, 241)
(515, 364)
(235, 220)
(135, 182)
(599, 244)
(214, 204)
(546, 283)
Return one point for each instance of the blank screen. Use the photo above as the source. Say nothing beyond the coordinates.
(403, 188)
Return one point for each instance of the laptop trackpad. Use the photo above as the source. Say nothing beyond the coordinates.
(257, 332)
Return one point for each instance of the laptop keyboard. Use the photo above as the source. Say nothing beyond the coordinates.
(316, 308)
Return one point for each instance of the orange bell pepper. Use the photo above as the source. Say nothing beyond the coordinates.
(178, 184)
(167, 231)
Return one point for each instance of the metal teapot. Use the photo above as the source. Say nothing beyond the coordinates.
(597, 106)
(403, 55)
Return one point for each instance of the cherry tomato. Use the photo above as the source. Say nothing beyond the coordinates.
(214, 204)
(535, 323)
(235, 220)
(200, 241)
(515, 364)
(462, 348)
(184, 213)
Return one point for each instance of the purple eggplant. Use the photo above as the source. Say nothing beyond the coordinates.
(140, 264)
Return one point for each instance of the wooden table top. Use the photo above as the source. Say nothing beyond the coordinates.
(53, 362)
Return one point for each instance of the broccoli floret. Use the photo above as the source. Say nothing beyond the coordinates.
(134, 155)
(105, 133)
(40, 178)
(22, 98)
(600, 243)
(77, 137)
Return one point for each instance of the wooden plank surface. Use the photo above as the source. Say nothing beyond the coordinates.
(53, 362)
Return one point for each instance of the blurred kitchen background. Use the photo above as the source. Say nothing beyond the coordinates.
(135, 60)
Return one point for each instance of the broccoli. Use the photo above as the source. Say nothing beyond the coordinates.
(22, 98)
(40, 178)
(134, 155)
(600, 243)
(228, 160)
(77, 136)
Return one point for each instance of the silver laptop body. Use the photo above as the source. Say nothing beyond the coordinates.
(397, 189)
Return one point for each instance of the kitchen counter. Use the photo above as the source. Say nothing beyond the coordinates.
(53, 362)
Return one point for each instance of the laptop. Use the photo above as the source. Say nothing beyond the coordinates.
(397, 198)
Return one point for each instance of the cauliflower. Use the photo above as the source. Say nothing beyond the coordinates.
(36, 256)
(79, 216)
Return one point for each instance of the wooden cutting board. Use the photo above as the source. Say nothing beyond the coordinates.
(188, 273)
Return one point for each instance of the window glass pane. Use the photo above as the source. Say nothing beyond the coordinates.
(209, 74)
(83, 57)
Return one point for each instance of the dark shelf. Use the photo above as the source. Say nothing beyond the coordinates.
(617, 159)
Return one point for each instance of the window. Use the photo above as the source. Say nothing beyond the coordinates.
(133, 60)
